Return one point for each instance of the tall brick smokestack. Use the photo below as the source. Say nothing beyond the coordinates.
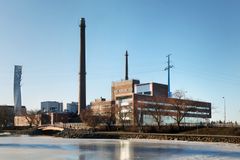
(82, 75)
(126, 66)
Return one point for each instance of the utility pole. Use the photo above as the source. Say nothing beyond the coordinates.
(168, 69)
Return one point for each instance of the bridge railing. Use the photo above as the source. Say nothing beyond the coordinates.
(72, 125)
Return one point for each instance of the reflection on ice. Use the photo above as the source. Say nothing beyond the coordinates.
(105, 149)
(82, 157)
(124, 150)
(48, 148)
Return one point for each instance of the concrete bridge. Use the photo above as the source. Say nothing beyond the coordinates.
(58, 127)
(50, 128)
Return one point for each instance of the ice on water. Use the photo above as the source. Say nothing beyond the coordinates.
(49, 148)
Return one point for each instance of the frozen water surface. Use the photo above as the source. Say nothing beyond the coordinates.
(50, 148)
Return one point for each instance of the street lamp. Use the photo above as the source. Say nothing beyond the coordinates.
(224, 100)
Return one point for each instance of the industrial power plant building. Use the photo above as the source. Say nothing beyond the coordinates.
(135, 103)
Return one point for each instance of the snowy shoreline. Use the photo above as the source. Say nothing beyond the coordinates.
(134, 135)
(121, 149)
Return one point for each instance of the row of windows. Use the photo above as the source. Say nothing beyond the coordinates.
(142, 88)
(122, 90)
(161, 104)
(149, 120)
(144, 93)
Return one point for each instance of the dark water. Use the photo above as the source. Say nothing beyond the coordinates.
(49, 148)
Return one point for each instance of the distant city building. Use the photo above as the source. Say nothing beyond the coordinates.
(51, 106)
(72, 107)
(6, 116)
(102, 107)
(29, 120)
(17, 89)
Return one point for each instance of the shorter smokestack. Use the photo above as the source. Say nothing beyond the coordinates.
(126, 66)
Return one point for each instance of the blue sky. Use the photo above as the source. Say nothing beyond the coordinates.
(43, 36)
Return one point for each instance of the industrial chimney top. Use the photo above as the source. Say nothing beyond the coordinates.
(82, 24)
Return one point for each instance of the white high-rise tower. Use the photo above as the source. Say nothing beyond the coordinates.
(17, 89)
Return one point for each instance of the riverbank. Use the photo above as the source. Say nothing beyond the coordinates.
(134, 135)
(72, 133)
(28, 131)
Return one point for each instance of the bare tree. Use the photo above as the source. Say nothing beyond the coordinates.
(107, 114)
(123, 114)
(109, 120)
(179, 94)
(154, 110)
(85, 114)
(33, 117)
(179, 106)
(89, 118)
(94, 121)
